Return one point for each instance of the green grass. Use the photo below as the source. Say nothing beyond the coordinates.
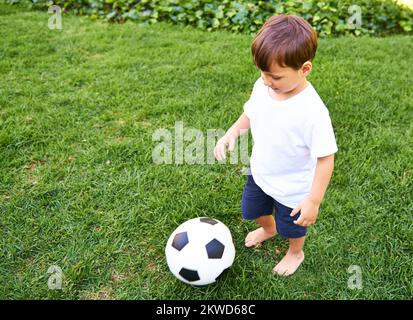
(79, 189)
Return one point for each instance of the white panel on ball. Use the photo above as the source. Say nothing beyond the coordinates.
(199, 250)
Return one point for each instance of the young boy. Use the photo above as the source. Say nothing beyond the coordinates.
(293, 152)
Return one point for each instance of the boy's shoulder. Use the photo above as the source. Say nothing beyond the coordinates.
(315, 99)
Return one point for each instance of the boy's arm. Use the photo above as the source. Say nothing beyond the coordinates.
(240, 126)
(323, 172)
(310, 206)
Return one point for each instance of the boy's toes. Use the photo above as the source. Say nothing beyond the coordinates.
(252, 243)
(280, 271)
(248, 237)
(277, 269)
(289, 264)
(249, 242)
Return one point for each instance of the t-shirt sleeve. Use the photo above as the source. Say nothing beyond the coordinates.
(248, 106)
(322, 141)
(247, 109)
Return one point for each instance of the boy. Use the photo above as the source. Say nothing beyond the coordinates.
(293, 152)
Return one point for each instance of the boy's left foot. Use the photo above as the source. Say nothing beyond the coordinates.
(289, 264)
(254, 238)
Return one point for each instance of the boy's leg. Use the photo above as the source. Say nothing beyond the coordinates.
(257, 205)
(267, 230)
(292, 260)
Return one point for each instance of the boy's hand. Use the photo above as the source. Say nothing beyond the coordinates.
(309, 213)
(220, 148)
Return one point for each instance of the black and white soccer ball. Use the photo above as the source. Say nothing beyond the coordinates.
(200, 250)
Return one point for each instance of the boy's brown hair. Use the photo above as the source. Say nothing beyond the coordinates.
(287, 40)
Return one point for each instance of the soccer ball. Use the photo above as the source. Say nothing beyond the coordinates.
(199, 251)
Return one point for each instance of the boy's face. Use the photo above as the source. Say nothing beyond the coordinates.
(283, 80)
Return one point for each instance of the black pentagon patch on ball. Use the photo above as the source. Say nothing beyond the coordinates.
(180, 240)
(208, 220)
(189, 275)
(215, 249)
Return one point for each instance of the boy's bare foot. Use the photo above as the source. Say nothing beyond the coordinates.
(289, 264)
(257, 236)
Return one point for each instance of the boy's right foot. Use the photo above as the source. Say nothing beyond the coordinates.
(257, 236)
(289, 264)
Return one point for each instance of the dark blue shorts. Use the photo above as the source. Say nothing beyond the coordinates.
(256, 203)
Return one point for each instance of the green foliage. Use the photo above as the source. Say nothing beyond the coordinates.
(328, 17)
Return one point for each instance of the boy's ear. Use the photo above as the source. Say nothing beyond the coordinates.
(306, 68)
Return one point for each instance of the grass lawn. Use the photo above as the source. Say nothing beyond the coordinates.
(79, 189)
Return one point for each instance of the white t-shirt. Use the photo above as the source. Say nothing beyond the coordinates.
(288, 137)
